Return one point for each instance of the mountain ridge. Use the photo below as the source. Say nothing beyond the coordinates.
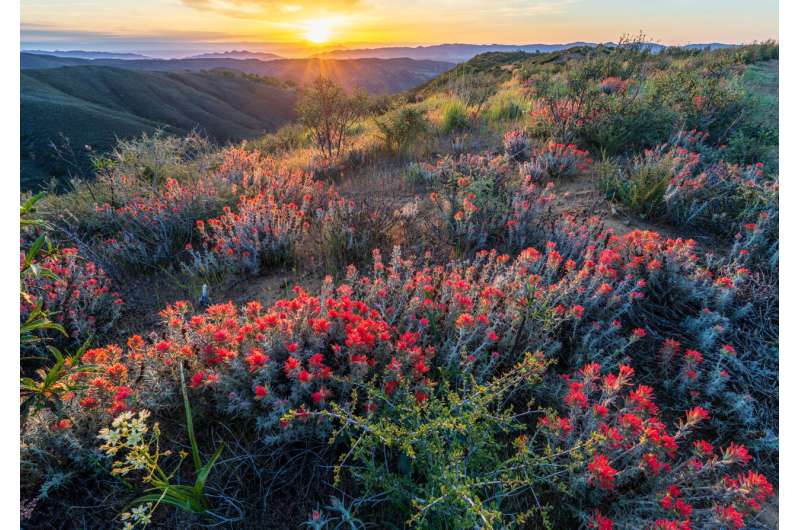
(460, 52)
(376, 76)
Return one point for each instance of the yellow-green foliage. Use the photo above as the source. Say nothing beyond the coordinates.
(454, 116)
(508, 105)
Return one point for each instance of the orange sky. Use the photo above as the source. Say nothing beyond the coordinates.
(98, 24)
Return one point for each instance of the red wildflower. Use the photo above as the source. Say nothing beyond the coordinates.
(736, 453)
(600, 522)
(703, 447)
(256, 359)
(730, 517)
(602, 472)
(696, 415)
(197, 378)
(290, 365)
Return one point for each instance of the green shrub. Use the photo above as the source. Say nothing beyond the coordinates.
(627, 125)
(454, 116)
(640, 187)
(400, 128)
(506, 107)
(441, 462)
(287, 138)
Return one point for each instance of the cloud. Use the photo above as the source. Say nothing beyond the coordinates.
(528, 8)
(249, 8)
(45, 34)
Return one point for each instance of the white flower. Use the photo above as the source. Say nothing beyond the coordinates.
(142, 514)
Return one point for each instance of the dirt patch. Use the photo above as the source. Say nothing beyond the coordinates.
(581, 195)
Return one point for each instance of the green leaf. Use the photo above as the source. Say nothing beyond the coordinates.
(198, 463)
(202, 476)
(34, 249)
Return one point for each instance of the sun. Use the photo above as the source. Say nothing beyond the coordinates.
(318, 31)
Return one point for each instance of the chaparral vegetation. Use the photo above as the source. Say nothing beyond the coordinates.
(538, 291)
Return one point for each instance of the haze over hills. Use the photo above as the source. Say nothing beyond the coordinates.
(376, 76)
(83, 54)
(95, 105)
(238, 54)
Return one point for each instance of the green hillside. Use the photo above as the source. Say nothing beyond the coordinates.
(94, 105)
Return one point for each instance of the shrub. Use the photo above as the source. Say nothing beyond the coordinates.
(345, 233)
(613, 85)
(261, 233)
(612, 439)
(454, 116)
(286, 139)
(722, 197)
(415, 175)
(329, 113)
(442, 461)
(401, 128)
(77, 294)
(130, 225)
(516, 145)
(155, 158)
(557, 119)
(506, 107)
(642, 185)
(479, 203)
(151, 228)
(555, 161)
(626, 124)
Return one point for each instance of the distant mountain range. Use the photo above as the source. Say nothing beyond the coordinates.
(452, 53)
(458, 53)
(238, 54)
(376, 76)
(82, 54)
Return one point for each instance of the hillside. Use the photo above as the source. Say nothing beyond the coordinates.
(94, 105)
(377, 76)
(458, 53)
(535, 293)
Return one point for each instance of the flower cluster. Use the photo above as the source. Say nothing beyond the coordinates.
(517, 145)
(127, 442)
(103, 380)
(722, 197)
(400, 328)
(480, 203)
(77, 294)
(260, 233)
(556, 161)
(153, 226)
(625, 440)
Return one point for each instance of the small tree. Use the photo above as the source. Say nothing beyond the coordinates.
(329, 113)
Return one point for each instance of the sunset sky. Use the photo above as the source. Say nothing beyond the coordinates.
(291, 27)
